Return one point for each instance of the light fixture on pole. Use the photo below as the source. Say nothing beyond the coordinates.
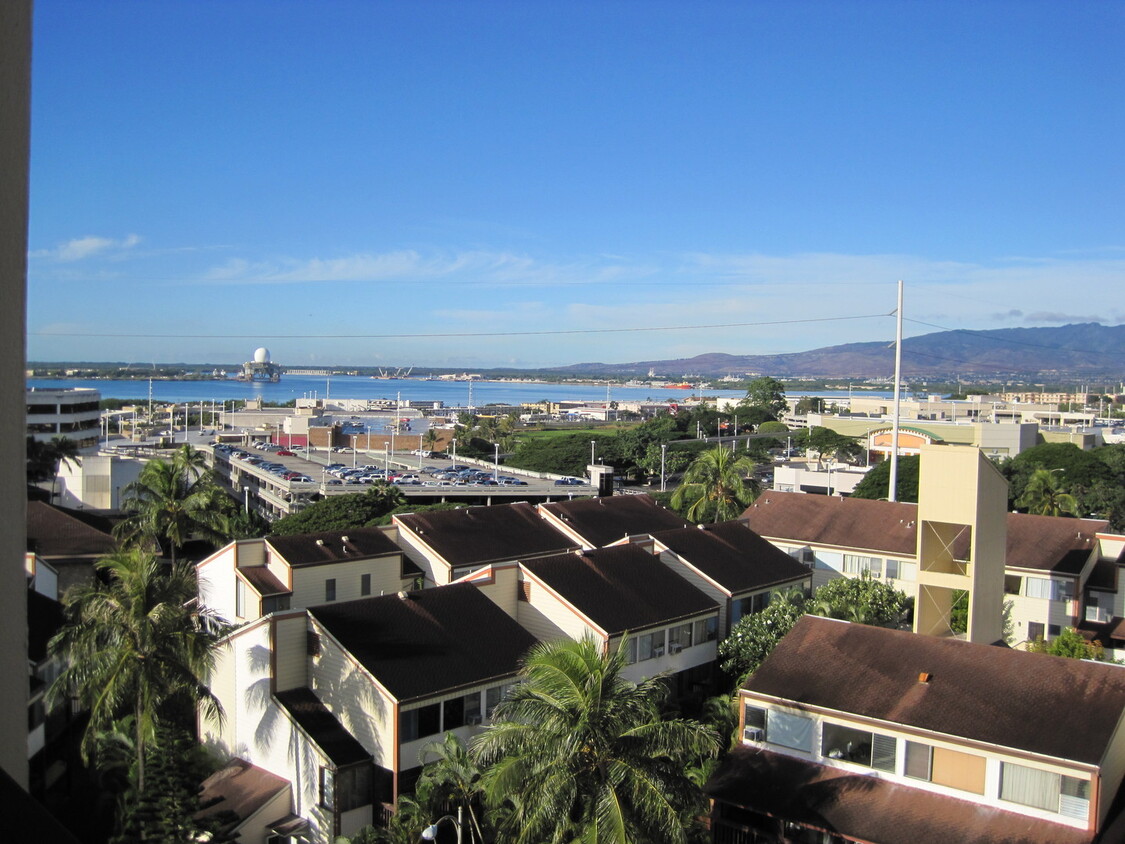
(663, 454)
(430, 832)
(496, 462)
(593, 443)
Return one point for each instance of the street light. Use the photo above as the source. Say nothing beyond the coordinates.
(496, 462)
(663, 453)
(593, 443)
(430, 832)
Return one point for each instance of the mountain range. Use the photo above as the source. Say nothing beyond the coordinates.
(1085, 350)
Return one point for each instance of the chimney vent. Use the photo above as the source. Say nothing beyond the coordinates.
(402, 596)
(924, 677)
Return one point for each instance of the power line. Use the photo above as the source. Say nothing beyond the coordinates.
(451, 333)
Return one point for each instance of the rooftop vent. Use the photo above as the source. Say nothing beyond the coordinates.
(402, 596)
(320, 542)
(924, 677)
(344, 538)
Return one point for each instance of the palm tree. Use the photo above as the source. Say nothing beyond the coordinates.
(1044, 496)
(716, 480)
(173, 500)
(134, 644)
(430, 439)
(577, 752)
(452, 778)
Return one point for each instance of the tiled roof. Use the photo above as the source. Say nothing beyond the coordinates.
(240, 788)
(981, 692)
(334, 546)
(340, 746)
(263, 581)
(53, 532)
(429, 642)
(1042, 543)
(478, 535)
(868, 808)
(621, 588)
(602, 521)
(733, 556)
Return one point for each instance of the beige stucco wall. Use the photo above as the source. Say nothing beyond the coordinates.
(15, 123)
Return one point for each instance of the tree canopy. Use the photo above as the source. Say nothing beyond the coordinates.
(578, 753)
(341, 512)
(1070, 644)
(877, 482)
(767, 394)
(717, 486)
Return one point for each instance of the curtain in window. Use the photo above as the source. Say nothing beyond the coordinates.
(794, 731)
(1030, 787)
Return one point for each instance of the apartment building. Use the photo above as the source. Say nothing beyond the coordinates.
(250, 578)
(1058, 572)
(609, 593)
(851, 733)
(340, 700)
(448, 544)
(71, 413)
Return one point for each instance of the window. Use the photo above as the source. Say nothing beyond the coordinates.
(919, 759)
(679, 637)
(239, 598)
(419, 723)
(630, 650)
(1038, 587)
(898, 570)
(453, 713)
(859, 746)
(471, 704)
(330, 589)
(1053, 630)
(365, 584)
(792, 731)
(1034, 631)
(706, 630)
(754, 723)
(1012, 584)
(353, 787)
(958, 770)
(856, 564)
(328, 789)
(493, 696)
(650, 645)
(274, 604)
(1030, 787)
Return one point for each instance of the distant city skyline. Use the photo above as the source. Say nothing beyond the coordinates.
(484, 184)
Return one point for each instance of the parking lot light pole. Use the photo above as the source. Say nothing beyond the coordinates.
(593, 443)
(663, 453)
(496, 462)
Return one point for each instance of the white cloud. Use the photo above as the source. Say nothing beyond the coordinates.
(88, 246)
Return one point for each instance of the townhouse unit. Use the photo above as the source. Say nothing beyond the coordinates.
(448, 544)
(340, 699)
(850, 733)
(1059, 571)
(598, 522)
(732, 565)
(250, 578)
(69, 541)
(610, 592)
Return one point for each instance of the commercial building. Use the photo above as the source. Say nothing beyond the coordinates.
(71, 413)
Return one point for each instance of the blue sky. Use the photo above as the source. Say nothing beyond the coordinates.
(459, 184)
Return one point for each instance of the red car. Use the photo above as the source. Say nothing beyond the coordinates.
(285, 453)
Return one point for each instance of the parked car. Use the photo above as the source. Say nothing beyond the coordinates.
(568, 482)
(286, 453)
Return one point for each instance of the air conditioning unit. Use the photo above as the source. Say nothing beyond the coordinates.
(675, 648)
(658, 650)
(473, 720)
(754, 734)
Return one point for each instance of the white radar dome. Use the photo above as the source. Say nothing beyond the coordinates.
(262, 355)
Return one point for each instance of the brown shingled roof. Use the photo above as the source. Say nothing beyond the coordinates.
(52, 532)
(733, 556)
(621, 588)
(333, 546)
(263, 581)
(868, 808)
(981, 692)
(475, 536)
(602, 521)
(432, 641)
(1042, 543)
(240, 788)
(340, 746)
